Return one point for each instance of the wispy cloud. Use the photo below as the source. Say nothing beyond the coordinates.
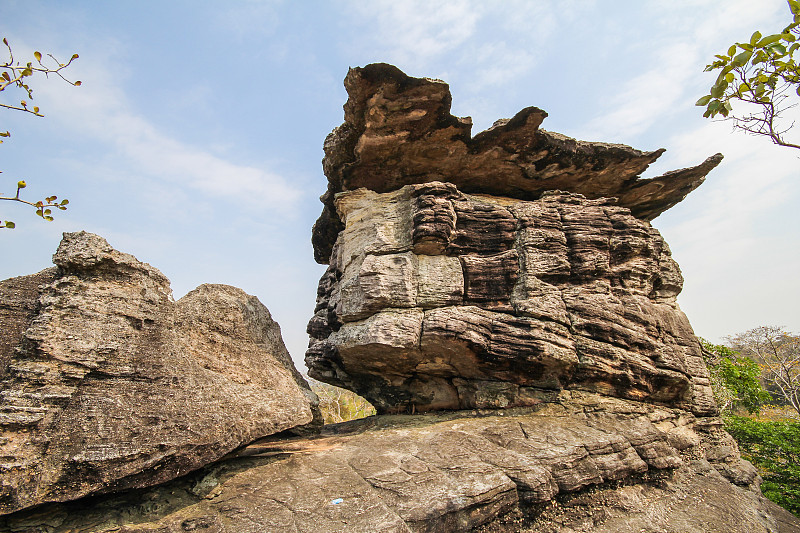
(416, 32)
(101, 111)
(674, 61)
(646, 98)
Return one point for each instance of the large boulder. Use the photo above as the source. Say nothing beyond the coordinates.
(435, 299)
(494, 270)
(109, 384)
(584, 462)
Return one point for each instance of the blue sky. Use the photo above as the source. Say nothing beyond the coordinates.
(195, 140)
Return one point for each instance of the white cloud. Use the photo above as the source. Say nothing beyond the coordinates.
(675, 59)
(647, 97)
(735, 237)
(414, 32)
(100, 110)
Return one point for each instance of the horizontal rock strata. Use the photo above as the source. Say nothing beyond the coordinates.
(456, 472)
(435, 299)
(398, 130)
(110, 384)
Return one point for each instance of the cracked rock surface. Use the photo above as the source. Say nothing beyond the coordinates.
(437, 299)
(108, 383)
(457, 471)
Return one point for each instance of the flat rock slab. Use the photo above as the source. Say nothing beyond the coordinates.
(450, 472)
(110, 384)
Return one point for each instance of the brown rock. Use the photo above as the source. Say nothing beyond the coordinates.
(398, 130)
(113, 385)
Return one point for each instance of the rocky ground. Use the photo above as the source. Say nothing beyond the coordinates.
(584, 463)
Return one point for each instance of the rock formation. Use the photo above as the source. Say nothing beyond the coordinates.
(109, 384)
(398, 130)
(459, 278)
(509, 284)
(583, 462)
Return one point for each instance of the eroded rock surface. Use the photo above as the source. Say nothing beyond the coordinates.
(435, 299)
(112, 385)
(631, 464)
(398, 130)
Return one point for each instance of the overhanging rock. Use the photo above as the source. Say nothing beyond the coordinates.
(398, 130)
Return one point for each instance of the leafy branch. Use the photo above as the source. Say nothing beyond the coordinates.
(42, 206)
(763, 73)
(14, 74)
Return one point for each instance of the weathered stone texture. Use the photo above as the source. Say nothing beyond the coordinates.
(520, 298)
(19, 301)
(453, 472)
(398, 130)
(114, 385)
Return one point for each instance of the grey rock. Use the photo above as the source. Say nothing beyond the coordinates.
(113, 385)
(583, 462)
(421, 309)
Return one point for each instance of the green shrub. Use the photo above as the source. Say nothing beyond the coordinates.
(774, 448)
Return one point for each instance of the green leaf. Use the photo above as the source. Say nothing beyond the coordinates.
(729, 77)
(707, 98)
(778, 49)
(755, 37)
(38, 56)
(717, 91)
(742, 59)
(769, 39)
(732, 50)
(788, 37)
(10, 225)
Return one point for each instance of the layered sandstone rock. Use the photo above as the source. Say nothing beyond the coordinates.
(495, 270)
(398, 130)
(584, 462)
(111, 384)
(435, 299)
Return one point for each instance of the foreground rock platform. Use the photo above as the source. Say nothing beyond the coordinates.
(398, 130)
(584, 462)
(108, 384)
(437, 299)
